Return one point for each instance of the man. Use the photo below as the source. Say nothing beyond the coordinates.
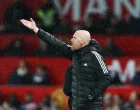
(90, 75)
(48, 15)
(13, 14)
(68, 78)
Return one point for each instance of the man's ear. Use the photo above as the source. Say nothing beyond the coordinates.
(82, 42)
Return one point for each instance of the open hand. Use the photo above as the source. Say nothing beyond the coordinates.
(30, 24)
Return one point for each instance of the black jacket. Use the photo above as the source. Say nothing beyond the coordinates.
(90, 75)
(67, 85)
(68, 81)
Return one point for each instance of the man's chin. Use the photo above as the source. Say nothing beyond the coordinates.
(73, 48)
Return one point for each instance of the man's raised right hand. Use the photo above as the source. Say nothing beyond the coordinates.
(30, 24)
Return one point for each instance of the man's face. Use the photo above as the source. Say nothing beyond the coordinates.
(76, 42)
(80, 39)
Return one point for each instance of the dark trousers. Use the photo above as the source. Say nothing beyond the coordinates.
(94, 107)
(70, 102)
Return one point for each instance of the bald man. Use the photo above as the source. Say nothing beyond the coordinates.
(90, 76)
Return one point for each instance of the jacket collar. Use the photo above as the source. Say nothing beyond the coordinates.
(92, 46)
(85, 49)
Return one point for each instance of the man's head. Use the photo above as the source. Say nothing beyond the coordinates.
(80, 39)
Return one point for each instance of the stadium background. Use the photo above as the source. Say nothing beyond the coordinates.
(74, 12)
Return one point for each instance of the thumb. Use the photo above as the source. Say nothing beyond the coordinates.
(31, 19)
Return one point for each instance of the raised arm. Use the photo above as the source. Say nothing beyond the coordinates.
(48, 38)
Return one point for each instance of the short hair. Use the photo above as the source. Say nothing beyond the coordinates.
(86, 35)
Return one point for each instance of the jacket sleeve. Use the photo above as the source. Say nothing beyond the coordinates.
(56, 43)
(103, 75)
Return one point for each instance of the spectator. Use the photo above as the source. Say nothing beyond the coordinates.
(42, 49)
(29, 103)
(47, 104)
(41, 77)
(107, 101)
(113, 25)
(110, 49)
(103, 22)
(136, 78)
(13, 103)
(129, 105)
(137, 105)
(89, 24)
(61, 29)
(123, 27)
(118, 102)
(21, 75)
(48, 16)
(131, 25)
(45, 50)
(15, 48)
(12, 17)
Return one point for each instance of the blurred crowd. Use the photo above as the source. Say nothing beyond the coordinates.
(118, 102)
(28, 103)
(17, 48)
(23, 76)
(49, 18)
(111, 102)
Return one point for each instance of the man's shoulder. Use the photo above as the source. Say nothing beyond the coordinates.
(96, 55)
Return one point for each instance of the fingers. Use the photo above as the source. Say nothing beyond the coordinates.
(21, 20)
(24, 22)
(31, 19)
